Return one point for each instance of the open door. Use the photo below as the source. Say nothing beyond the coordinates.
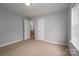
(26, 29)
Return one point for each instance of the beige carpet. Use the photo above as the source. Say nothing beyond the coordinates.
(34, 48)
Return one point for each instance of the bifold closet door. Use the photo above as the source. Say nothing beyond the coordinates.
(26, 29)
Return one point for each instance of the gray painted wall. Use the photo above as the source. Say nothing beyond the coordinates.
(56, 28)
(11, 27)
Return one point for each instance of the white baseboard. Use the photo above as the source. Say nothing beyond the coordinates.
(10, 43)
(53, 42)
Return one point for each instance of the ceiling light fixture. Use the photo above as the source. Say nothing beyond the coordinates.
(28, 2)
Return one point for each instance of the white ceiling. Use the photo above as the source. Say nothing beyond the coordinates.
(35, 9)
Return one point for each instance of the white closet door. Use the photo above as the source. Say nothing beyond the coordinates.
(26, 29)
(40, 29)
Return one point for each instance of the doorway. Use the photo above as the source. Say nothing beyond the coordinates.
(34, 29)
(32, 32)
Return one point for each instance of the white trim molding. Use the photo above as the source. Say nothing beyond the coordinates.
(53, 42)
(75, 45)
(6, 44)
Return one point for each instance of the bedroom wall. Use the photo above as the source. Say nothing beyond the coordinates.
(56, 28)
(11, 27)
